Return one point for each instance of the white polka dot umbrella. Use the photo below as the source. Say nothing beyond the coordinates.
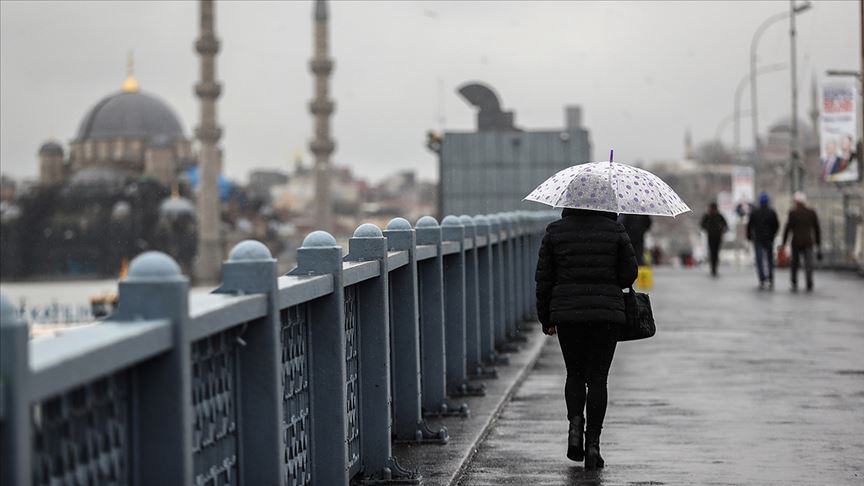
(609, 186)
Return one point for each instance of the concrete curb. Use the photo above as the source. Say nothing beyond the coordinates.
(536, 348)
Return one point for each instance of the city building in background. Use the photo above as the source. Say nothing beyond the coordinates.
(493, 168)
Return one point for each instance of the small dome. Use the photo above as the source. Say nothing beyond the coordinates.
(96, 179)
(51, 148)
(782, 129)
(130, 115)
(121, 210)
(176, 206)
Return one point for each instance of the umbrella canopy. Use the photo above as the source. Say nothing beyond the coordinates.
(609, 186)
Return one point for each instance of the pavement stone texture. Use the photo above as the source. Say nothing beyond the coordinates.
(738, 386)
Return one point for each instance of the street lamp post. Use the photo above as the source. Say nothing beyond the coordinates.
(739, 90)
(795, 148)
(754, 44)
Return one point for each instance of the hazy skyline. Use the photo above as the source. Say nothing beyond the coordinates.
(643, 72)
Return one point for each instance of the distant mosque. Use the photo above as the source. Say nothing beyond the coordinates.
(127, 134)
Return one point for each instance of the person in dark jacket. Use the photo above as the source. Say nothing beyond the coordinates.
(803, 225)
(714, 225)
(636, 226)
(585, 260)
(762, 228)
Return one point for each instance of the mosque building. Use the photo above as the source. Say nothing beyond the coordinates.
(127, 134)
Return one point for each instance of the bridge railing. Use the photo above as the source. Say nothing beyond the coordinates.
(305, 378)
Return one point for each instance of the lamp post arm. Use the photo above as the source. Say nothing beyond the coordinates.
(739, 91)
(754, 44)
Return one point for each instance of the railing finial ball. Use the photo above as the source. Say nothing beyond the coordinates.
(399, 224)
(249, 250)
(467, 220)
(451, 221)
(153, 265)
(317, 239)
(368, 230)
(427, 222)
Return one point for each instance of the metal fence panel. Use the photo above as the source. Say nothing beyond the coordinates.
(214, 406)
(295, 395)
(352, 384)
(82, 436)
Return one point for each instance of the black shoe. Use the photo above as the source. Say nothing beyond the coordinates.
(809, 286)
(575, 449)
(794, 288)
(593, 459)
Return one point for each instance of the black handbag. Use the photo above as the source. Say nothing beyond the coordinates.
(639, 322)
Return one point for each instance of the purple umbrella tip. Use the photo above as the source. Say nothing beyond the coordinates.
(611, 153)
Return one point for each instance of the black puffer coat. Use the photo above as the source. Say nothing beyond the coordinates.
(585, 260)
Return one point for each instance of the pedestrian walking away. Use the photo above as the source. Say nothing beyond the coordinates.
(803, 226)
(714, 225)
(585, 260)
(762, 228)
(636, 226)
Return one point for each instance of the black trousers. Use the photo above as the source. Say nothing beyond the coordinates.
(798, 254)
(588, 350)
(714, 252)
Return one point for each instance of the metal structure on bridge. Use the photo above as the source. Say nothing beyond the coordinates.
(305, 378)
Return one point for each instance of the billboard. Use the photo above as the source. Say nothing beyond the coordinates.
(837, 132)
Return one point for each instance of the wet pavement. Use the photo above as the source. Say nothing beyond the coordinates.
(739, 386)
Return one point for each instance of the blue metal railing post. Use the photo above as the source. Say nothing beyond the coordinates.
(408, 423)
(509, 278)
(15, 441)
(454, 307)
(474, 362)
(373, 321)
(162, 448)
(455, 317)
(485, 293)
(433, 363)
(320, 255)
(499, 286)
(251, 269)
(518, 268)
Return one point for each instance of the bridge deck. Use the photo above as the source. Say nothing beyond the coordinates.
(738, 387)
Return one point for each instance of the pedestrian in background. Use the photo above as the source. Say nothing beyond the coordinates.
(585, 260)
(714, 225)
(636, 225)
(803, 225)
(762, 228)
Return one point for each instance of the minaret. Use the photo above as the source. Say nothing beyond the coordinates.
(321, 108)
(688, 145)
(210, 252)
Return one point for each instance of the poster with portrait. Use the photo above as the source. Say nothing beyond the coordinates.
(838, 130)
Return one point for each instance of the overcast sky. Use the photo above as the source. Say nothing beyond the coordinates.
(644, 72)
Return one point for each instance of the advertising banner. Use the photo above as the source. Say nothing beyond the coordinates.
(837, 132)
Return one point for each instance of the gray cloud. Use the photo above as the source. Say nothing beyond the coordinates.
(644, 72)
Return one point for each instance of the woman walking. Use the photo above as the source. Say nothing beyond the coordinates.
(585, 261)
(586, 258)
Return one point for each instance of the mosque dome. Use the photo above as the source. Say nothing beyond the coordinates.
(130, 114)
(51, 148)
(782, 129)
